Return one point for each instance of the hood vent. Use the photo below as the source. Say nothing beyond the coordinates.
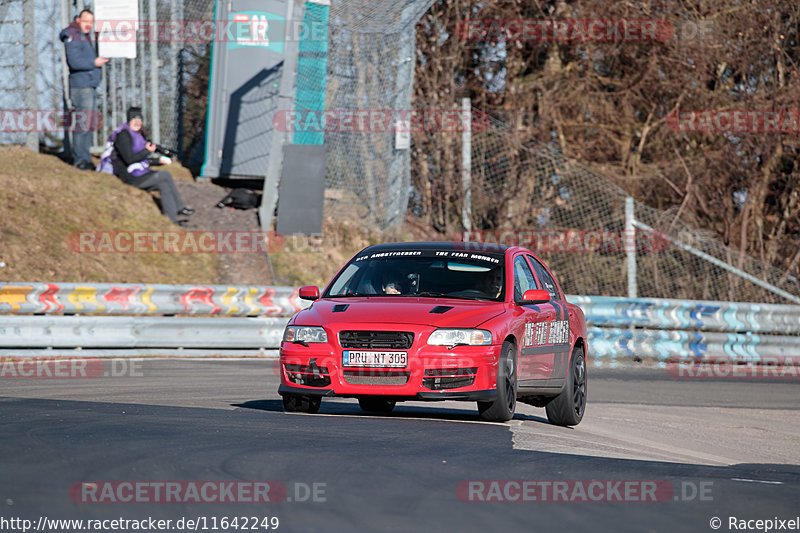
(441, 309)
(338, 308)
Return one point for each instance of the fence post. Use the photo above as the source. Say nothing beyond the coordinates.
(66, 101)
(176, 14)
(31, 66)
(123, 102)
(141, 48)
(105, 74)
(466, 163)
(180, 112)
(630, 247)
(155, 120)
(111, 91)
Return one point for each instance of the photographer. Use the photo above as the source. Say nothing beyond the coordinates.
(126, 156)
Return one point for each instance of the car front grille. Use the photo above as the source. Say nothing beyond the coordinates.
(377, 377)
(376, 340)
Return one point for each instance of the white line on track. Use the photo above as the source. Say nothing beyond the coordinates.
(757, 481)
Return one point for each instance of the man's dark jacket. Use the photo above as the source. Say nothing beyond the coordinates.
(80, 57)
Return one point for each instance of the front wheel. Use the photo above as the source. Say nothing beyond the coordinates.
(503, 407)
(567, 408)
(295, 403)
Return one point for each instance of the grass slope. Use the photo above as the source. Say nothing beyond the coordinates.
(43, 201)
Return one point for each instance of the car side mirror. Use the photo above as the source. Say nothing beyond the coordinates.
(309, 292)
(535, 296)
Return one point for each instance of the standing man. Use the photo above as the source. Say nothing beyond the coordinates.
(84, 78)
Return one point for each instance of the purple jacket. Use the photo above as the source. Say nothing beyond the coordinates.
(125, 154)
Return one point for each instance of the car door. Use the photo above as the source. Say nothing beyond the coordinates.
(557, 316)
(535, 361)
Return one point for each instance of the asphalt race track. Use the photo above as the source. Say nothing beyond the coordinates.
(665, 454)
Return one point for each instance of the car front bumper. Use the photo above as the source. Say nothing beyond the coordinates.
(433, 373)
(427, 396)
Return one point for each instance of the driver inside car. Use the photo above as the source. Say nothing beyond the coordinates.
(391, 283)
(492, 283)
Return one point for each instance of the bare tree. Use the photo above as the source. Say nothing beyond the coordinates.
(617, 106)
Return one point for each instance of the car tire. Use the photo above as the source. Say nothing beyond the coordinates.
(567, 408)
(376, 405)
(503, 407)
(295, 403)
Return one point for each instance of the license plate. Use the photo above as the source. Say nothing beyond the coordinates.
(382, 359)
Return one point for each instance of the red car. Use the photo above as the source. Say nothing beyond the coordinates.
(439, 321)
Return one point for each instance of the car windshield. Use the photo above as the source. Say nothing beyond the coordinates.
(449, 274)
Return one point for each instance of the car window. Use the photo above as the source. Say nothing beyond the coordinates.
(523, 278)
(545, 278)
(341, 285)
(434, 273)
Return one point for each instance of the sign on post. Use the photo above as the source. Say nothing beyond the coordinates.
(116, 23)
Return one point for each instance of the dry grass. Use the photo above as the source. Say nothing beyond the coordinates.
(314, 260)
(44, 200)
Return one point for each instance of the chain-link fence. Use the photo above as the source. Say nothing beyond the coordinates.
(172, 51)
(527, 193)
(371, 61)
(20, 81)
(11, 65)
(168, 77)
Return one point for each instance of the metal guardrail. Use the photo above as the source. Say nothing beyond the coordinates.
(148, 299)
(694, 315)
(665, 345)
(661, 329)
(253, 318)
(112, 332)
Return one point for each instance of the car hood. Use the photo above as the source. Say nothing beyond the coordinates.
(436, 312)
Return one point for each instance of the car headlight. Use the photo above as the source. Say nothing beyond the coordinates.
(453, 337)
(305, 334)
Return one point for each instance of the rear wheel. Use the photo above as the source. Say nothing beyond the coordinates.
(567, 408)
(503, 407)
(295, 403)
(376, 405)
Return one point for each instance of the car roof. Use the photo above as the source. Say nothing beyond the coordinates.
(490, 248)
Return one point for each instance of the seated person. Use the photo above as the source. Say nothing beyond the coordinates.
(126, 156)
